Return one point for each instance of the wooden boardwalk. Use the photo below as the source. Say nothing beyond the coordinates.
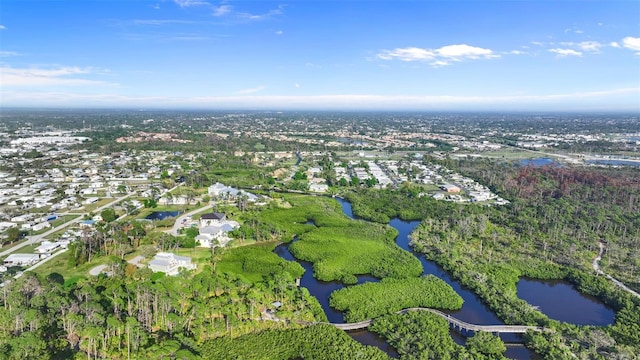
(454, 323)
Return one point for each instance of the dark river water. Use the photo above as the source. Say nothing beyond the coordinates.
(473, 311)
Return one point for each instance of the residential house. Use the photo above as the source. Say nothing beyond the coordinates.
(47, 247)
(212, 219)
(41, 226)
(317, 187)
(4, 225)
(170, 263)
(216, 235)
(87, 223)
(21, 259)
(450, 188)
(219, 190)
(22, 218)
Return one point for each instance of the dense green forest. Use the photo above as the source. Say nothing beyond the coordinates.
(422, 335)
(557, 219)
(140, 315)
(314, 342)
(340, 248)
(371, 300)
(550, 230)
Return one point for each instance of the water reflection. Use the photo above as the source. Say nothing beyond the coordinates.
(473, 310)
(559, 300)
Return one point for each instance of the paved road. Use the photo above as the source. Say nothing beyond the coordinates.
(38, 238)
(178, 224)
(97, 270)
(41, 262)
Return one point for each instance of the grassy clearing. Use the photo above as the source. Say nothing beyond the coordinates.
(60, 265)
(91, 207)
(62, 220)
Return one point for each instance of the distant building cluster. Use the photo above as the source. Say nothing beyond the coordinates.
(142, 136)
(49, 140)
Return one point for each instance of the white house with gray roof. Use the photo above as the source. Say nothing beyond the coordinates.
(170, 263)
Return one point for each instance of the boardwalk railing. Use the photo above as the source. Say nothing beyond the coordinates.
(456, 324)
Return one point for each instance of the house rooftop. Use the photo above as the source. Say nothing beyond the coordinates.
(213, 216)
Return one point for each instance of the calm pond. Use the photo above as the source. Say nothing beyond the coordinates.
(161, 215)
(614, 162)
(537, 162)
(559, 300)
(473, 311)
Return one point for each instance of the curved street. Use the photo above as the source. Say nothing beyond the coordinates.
(178, 224)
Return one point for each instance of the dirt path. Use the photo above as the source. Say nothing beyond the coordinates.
(596, 267)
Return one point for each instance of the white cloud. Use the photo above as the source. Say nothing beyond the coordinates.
(632, 43)
(565, 52)
(9, 53)
(614, 44)
(590, 46)
(279, 32)
(251, 90)
(189, 3)
(440, 63)
(441, 56)
(222, 10)
(574, 30)
(296, 85)
(258, 17)
(59, 76)
(407, 54)
(229, 11)
(463, 51)
(586, 46)
(2, 27)
(518, 52)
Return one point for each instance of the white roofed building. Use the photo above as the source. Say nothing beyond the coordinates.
(170, 263)
(21, 259)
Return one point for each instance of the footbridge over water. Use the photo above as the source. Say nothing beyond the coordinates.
(458, 325)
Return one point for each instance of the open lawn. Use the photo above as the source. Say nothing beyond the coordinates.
(71, 274)
(97, 204)
(198, 255)
(62, 220)
(514, 154)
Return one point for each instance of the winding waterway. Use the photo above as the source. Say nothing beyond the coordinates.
(473, 311)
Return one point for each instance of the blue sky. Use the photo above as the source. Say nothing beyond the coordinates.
(413, 55)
